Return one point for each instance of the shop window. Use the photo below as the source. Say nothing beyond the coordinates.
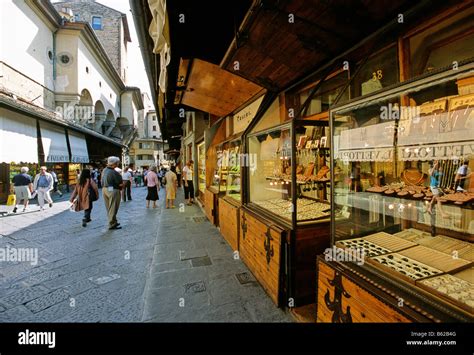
(380, 71)
(445, 44)
(97, 22)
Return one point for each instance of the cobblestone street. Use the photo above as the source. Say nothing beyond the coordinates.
(163, 266)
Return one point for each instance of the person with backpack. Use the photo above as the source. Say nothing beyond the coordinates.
(85, 193)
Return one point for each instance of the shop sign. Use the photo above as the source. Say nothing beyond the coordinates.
(78, 159)
(57, 158)
(243, 118)
(366, 155)
(437, 151)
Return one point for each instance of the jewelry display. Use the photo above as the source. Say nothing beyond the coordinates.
(406, 266)
(436, 259)
(369, 248)
(454, 287)
(306, 209)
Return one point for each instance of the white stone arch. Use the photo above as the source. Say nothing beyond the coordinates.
(86, 98)
(84, 110)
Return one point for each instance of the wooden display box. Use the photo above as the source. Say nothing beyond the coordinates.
(261, 250)
(210, 206)
(229, 222)
(350, 294)
(340, 300)
(311, 241)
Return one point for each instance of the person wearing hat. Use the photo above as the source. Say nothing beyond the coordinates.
(112, 183)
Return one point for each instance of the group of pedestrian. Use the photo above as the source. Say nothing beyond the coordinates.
(115, 184)
(26, 188)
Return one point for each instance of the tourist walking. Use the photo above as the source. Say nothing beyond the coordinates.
(85, 193)
(55, 182)
(95, 175)
(137, 178)
(171, 183)
(188, 177)
(43, 184)
(152, 183)
(99, 177)
(160, 174)
(127, 184)
(111, 186)
(23, 188)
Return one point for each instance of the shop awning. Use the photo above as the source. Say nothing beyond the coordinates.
(217, 91)
(54, 143)
(18, 139)
(79, 152)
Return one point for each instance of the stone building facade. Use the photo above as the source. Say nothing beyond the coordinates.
(147, 148)
(110, 26)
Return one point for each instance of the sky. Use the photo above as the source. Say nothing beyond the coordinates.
(136, 68)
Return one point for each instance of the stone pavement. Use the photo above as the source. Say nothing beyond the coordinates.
(195, 276)
(163, 266)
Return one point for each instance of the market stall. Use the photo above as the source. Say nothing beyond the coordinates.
(284, 222)
(405, 221)
(230, 175)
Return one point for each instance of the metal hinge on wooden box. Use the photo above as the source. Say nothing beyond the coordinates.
(244, 226)
(268, 246)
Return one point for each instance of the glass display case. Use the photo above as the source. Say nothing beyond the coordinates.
(289, 171)
(219, 174)
(232, 161)
(404, 187)
(72, 173)
(201, 154)
(226, 176)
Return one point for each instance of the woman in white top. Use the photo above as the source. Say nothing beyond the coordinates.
(188, 176)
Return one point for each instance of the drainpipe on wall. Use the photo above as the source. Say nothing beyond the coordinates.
(54, 59)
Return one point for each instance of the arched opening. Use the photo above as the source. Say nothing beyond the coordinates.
(116, 132)
(125, 127)
(99, 116)
(109, 123)
(84, 110)
(86, 98)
